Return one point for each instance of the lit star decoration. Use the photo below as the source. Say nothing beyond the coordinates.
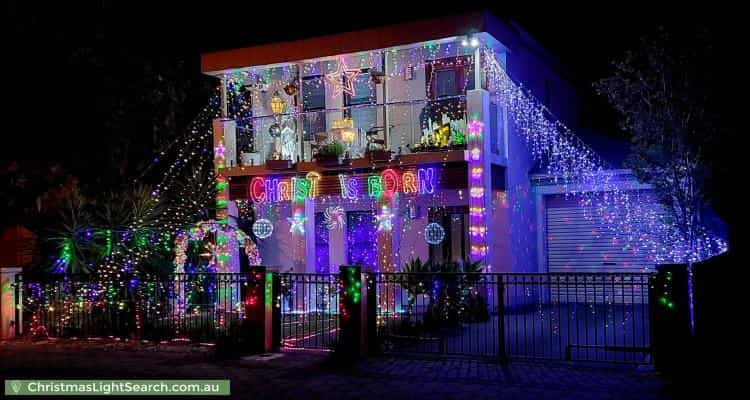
(384, 219)
(334, 217)
(219, 151)
(298, 223)
(334, 78)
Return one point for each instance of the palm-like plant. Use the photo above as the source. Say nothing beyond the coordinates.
(72, 237)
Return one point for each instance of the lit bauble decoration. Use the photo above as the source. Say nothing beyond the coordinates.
(277, 104)
(274, 130)
(262, 228)
(434, 233)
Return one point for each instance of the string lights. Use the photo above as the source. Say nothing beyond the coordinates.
(191, 187)
(636, 219)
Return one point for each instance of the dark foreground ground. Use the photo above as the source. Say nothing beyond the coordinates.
(309, 375)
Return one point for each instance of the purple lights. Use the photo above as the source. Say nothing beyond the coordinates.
(361, 237)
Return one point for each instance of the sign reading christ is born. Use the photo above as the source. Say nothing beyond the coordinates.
(383, 184)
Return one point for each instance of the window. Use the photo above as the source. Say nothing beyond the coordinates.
(494, 131)
(313, 93)
(364, 90)
(449, 77)
(455, 222)
(445, 83)
(313, 99)
(364, 117)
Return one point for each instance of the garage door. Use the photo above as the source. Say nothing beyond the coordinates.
(579, 241)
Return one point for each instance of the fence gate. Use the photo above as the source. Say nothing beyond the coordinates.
(584, 317)
(309, 310)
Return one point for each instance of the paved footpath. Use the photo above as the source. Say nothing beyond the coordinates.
(309, 375)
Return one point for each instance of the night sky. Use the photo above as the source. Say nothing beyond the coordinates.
(67, 64)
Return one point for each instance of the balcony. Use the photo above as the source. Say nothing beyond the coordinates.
(359, 134)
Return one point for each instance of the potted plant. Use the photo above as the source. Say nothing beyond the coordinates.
(330, 153)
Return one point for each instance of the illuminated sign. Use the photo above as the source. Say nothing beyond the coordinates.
(383, 185)
(272, 190)
(389, 182)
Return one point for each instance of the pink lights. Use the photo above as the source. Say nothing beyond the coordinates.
(477, 214)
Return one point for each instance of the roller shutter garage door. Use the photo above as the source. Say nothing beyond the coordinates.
(579, 241)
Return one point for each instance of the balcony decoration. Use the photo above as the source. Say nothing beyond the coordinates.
(274, 130)
(375, 150)
(330, 153)
(291, 89)
(345, 127)
(343, 78)
(277, 104)
(458, 134)
(276, 160)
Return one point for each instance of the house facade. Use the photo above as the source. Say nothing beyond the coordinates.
(398, 143)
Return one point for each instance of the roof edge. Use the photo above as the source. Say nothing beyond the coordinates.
(217, 62)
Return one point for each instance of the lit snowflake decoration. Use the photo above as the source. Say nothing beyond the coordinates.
(334, 217)
(298, 223)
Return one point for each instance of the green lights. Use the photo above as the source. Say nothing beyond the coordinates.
(375, 186)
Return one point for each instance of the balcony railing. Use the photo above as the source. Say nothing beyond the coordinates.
(397, 127)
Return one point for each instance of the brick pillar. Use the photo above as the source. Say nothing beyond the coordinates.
(262, 323)
(352, 319)
(8, 302)
(669, 318)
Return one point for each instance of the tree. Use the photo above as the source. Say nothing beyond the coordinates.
(661, 92)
